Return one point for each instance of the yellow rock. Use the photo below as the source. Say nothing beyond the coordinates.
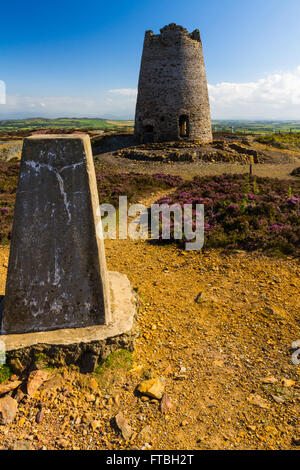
(117, 399)
(218, 363)
(154, 388)
(288, 382)
(93, 384)
(271, 430)
(90, 397)
(269, 380)
(95, 425)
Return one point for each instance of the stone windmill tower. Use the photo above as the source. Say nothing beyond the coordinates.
(172, 102)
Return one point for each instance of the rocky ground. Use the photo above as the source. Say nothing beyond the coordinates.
(216, 331)
(229, 153)
(223, 156)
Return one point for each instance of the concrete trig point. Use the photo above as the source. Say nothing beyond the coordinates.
(58, 291)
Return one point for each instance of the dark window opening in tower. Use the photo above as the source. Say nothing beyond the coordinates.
(184, 126)
(148, 136)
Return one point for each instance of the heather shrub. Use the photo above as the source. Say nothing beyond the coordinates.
(111, 185)
(243, 213)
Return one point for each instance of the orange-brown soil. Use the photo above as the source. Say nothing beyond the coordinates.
(225, 356)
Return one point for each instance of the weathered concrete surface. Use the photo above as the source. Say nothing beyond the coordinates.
(79, 345)
(57, 272)
(172, 86)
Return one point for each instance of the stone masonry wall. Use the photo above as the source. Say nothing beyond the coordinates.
(172, 83)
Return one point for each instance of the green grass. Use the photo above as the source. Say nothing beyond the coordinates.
(26, 125)
(288, 141)
(256, 127)
(5, 373)
(240, 126)
(116, 361)
(114, 367)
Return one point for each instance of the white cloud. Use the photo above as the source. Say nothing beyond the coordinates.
(2, 92)
(277, 96)
(121, 106)
(124, 91)
(51, 103)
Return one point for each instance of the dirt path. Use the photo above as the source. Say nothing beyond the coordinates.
(226, 358)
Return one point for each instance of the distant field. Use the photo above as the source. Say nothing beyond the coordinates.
(256, 127)
(60, 123)
(236, 126)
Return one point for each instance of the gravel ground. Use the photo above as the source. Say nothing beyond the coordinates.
(226, 360)
(188, 170)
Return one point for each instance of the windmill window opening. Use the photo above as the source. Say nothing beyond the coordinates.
(148, 134)
(184, 126)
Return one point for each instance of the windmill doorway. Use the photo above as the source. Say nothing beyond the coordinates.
(184, 126)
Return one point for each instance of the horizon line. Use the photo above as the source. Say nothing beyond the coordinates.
(132, 119)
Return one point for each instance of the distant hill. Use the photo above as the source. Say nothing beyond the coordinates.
(255, 127)
(31, 124)
(236, 126)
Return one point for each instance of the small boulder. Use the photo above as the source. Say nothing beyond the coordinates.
(95, 425)
(93, 384)
(279, 399)
(123, 426)
(8, 409)
(288, 382)
(166, 404)
(146, 433)
(259, 401)
(39, 417)
(269, 380)
(35, 380)
(9, 386)
(153, 388)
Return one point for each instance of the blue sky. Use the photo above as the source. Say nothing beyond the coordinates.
(74, 58)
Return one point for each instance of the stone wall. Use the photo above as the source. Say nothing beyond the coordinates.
(172, 100)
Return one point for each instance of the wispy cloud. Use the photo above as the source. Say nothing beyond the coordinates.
(124, 91)
(15, 103)
(277, 96)
(52, 106)
(2, 92)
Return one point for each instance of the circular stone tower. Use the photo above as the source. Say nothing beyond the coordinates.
(172, 102)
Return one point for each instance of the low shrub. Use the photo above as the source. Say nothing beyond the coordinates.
(243, 213)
